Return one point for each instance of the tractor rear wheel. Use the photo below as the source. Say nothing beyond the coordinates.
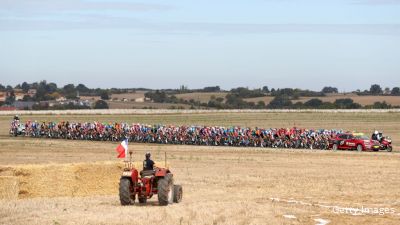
(165, 189)
(177, 193)
(125, 194)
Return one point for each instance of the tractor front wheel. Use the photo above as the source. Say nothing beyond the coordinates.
(125, 192)
(177, 193)
(165, 189)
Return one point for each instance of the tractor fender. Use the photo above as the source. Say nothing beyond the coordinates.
(135, 176)
(161, 172)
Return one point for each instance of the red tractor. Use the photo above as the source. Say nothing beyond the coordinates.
(147, 183)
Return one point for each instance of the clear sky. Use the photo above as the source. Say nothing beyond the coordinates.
(349, 44)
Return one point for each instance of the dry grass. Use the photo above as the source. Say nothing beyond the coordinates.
(129, 96)
(90, 98)
(222, 185)
(141, 105)
(9, 187)
(265, 99)
(201, 96)
(363, 100)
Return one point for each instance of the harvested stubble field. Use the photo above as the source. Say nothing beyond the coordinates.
(360, 99)
(204, 97)
(76, 182)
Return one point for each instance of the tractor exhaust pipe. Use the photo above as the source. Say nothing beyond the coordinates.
(165, 159)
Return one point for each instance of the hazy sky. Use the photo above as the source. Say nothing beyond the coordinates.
(163, 44)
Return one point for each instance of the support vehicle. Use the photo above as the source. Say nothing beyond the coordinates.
(348, 141)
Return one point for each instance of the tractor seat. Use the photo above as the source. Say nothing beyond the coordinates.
(147, 173)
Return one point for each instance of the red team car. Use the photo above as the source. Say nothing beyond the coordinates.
(349, 141)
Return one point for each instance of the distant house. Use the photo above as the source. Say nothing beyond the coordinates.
(2, 96)
(60, 99)
(139, 99)
(32, 92)
(86, 103)
(90, 98)
(50, 103)
(68, 102)
(19, 96)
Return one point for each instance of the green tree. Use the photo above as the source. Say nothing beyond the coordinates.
(329, 90)
(395, 91)
(273, 91)
(234, 101)
(381, 105)
(51, 88)
(82, 89)
(314, 103)
(10, 99)
(346, 103)
(212, 89)
(100, 104)
(104, 95)
(246, 93)
(375, 89)
(157, 96)
(328, 105)
(265, 89)
(25, 87)
(215, 104)
(280, 102)
(260, 104)
(219, 99)
(69, 91)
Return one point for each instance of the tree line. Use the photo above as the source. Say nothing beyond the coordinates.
(235, 98)
(283, 99)
(44, 91)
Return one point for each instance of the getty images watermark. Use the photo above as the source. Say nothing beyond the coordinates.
(364, 210)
